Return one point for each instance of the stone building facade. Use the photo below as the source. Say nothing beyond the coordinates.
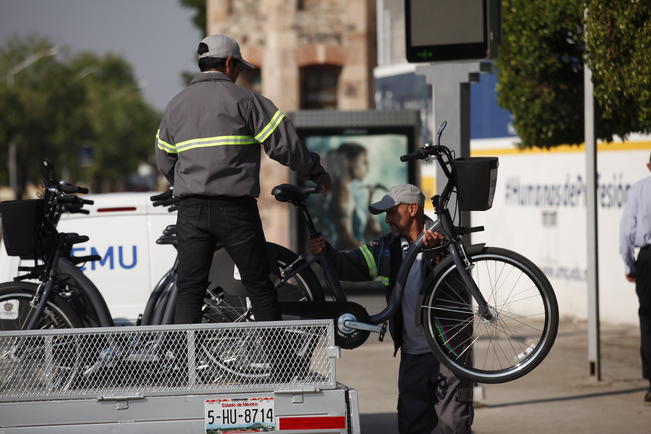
(310, 54)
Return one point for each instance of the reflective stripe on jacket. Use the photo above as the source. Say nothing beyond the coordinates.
(208, 142)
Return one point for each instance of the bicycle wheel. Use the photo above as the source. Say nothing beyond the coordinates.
(236, 355)
(15, 306)
(303, 286)
(514, 341)
(24, 359)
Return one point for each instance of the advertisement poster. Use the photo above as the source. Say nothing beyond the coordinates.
(362, 168)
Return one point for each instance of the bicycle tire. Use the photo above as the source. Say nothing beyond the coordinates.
(15, 298)
(58, 311)
(304, 286)
(238, 356)
(510, 345)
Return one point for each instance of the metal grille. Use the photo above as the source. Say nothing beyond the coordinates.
(155, 360)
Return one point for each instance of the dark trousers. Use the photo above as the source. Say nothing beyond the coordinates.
(431, 398)
(643, 290)
(235, 223)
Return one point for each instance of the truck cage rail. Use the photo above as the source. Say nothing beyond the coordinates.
(133, 362)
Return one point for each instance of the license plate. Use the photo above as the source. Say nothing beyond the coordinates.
(239, 415)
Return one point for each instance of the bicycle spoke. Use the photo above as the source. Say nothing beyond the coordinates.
(448, 309)
(499, 278)
(536, 295)
(460, 323)
(489, 344)
(454, 291)
(512, 288)
(514, 318)
(507, 332)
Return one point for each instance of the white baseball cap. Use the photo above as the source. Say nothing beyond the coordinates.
(403, 193)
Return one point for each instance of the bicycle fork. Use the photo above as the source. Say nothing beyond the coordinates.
(464, 266)
(42, 296)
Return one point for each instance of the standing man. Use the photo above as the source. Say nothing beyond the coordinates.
(208, 148)
(635, 231)
(430, 397)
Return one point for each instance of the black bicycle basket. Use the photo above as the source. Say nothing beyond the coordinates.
(20, 222)
(476, 179)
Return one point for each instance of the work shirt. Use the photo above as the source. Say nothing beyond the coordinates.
(413, 338)
(208, 142)
(635, 226)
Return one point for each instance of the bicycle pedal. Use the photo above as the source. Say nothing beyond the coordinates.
(382, 333)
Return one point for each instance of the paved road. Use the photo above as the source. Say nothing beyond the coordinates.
(558, 397)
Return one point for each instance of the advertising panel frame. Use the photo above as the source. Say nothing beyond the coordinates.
(357, 124)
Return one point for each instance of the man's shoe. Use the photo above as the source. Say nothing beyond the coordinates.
(647, 396)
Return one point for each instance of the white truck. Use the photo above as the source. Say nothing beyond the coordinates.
(99, 380)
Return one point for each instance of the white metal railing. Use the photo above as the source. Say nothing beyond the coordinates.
(177, 359)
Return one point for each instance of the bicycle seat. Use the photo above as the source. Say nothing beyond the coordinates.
(292, 193)
(169, 230)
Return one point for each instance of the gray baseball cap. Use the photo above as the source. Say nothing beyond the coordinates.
(222, 46)
(404, 193)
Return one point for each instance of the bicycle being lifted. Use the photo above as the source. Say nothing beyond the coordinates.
(489, 314)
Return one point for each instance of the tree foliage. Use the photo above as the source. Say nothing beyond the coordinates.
(541, 71)
(121, 122)
(53, 106)
(619, 54)
(541, 68)
(199, 18)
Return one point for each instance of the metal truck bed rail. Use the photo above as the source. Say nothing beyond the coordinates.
(105, 363)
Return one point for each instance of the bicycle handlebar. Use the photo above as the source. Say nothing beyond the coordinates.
(59, 197)
(161, 196)
(71, 189)
(443, 156)
(416, 155)
(167, 199)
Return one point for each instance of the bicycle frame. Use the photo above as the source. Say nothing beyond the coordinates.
(333, 283)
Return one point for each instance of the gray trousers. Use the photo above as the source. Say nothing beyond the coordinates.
(431, 399)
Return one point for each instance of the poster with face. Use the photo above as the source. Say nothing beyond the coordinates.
(362, 168)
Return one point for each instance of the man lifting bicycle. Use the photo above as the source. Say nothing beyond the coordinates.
(430, 397)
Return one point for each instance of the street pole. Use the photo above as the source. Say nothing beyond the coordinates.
(451, 102)
(592, 224)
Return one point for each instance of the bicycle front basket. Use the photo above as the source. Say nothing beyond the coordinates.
(476, 179)
(20, 220)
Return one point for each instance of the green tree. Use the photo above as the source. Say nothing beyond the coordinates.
(619, 54)
(40, 106)
(121, 124)
(199, 18)
(541, 68)
(55, 105)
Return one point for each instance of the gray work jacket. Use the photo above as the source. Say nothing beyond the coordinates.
(209, 140)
